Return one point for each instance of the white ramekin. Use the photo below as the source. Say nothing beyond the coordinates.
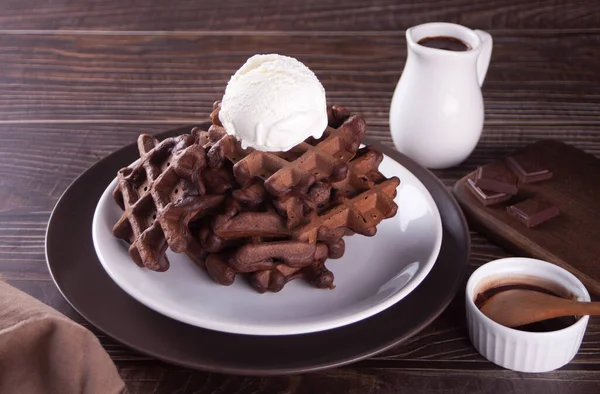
(520, 350)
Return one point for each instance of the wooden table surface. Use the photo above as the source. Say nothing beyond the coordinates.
(79, 79)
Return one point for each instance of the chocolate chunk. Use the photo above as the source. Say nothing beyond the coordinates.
(496, 177)
(486, 197)
(533, 211)
(528, 169)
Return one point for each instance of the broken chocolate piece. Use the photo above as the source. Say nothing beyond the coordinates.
(496, 177)
(486, 197)
(527, 168)
(533, 211)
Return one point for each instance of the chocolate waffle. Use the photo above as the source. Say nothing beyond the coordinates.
(275, 278)
(252, 239)
(160, 196)
(304, 164)
(358, 203)
(298, 178)
(271, 217)
(271, 265)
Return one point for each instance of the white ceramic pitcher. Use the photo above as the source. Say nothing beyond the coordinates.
(436, 116)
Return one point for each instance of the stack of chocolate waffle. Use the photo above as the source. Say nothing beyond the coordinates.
(270, 216)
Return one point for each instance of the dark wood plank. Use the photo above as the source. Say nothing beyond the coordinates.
(375, 379)
(534, 77)
(381, 15)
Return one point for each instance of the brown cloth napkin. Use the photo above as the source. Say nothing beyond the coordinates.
(42, 351)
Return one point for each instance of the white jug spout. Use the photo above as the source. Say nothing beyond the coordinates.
(484, 54)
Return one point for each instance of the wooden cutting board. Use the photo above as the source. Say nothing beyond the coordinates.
(571, 240)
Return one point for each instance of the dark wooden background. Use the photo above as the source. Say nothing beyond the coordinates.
(79, 79)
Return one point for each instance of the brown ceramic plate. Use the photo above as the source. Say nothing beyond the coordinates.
(88, 288)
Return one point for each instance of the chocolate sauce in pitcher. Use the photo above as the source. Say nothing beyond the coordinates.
(444, 42)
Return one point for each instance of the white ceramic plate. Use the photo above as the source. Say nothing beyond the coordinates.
(374, 273)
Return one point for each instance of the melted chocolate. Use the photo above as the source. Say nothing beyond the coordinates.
(445, 43)
(557, 323)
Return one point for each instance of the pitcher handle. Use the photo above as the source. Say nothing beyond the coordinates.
(484, 55)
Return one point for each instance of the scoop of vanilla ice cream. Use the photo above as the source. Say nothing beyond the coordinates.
(272, 103)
